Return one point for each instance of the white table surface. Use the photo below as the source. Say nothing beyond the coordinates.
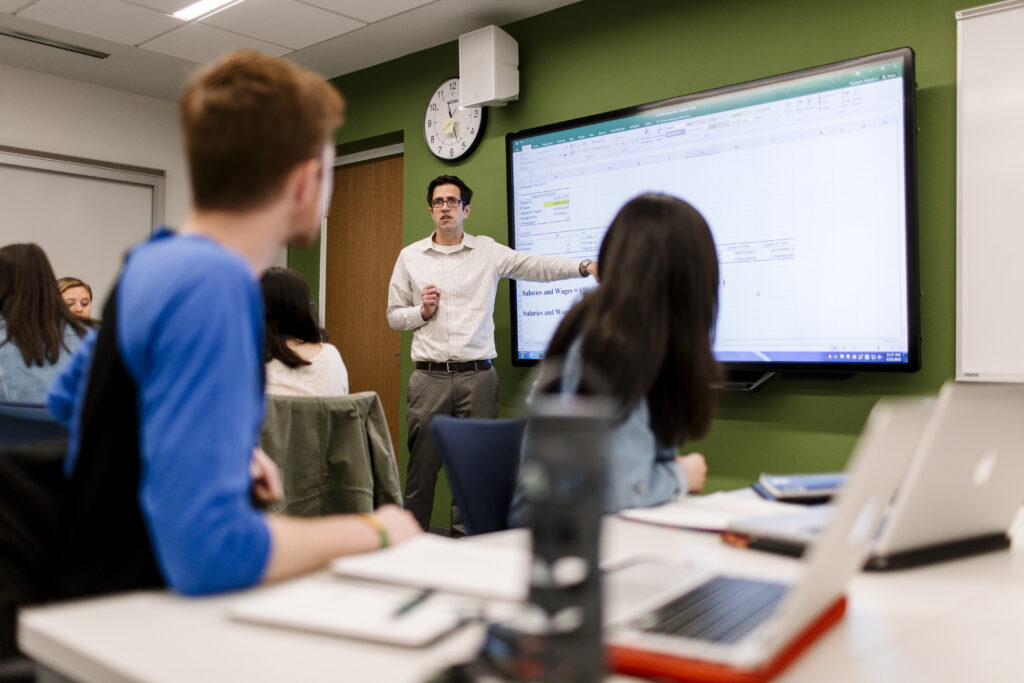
(955, 621)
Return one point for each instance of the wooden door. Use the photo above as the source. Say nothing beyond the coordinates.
(364, 236)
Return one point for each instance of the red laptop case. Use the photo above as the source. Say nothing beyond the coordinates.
(660, 666)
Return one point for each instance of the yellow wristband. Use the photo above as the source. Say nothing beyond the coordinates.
(385, 541)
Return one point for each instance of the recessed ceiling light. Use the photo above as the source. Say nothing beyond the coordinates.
(198, 9)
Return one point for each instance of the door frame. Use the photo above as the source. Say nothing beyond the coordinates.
(94, 169)
(346, 160)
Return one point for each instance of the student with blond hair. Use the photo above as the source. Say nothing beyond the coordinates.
(77, 295)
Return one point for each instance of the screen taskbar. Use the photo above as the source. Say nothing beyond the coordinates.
(788, 357)
(838, 357)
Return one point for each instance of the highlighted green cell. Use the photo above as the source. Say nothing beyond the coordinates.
(556, 202)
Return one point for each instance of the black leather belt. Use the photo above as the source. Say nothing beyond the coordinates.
(453, 366)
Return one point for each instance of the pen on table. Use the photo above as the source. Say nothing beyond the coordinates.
(412, 603)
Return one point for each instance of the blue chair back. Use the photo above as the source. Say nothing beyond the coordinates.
(32, 450)
(481, 457)
(26, 423)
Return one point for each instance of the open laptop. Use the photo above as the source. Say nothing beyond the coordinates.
(744, 627)
(960, 493)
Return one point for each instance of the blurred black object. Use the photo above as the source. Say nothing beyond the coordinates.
(563, 483)
(557, 637)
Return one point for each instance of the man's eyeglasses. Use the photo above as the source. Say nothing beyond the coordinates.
(452, 202)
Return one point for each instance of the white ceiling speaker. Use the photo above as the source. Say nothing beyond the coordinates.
(488, 68)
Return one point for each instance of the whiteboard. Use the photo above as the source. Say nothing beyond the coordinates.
(990, 193)
(85, 218)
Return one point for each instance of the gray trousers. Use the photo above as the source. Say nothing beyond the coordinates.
(474, 393)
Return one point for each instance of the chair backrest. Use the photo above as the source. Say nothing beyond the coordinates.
(335, 454)
(481, 457)
(26, 423)
(32, 449)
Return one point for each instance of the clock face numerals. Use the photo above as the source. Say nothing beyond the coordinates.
(450, 132)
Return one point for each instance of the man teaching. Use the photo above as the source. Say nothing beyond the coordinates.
(443, 289)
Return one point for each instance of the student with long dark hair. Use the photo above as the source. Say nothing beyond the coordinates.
(645, 337)
(299, 360)
(38, 332)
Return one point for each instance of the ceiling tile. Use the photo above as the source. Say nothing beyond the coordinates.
(283, 22)
(201, 43)
(368, 10)
(109, 19)
(11, 5)
(165, 6)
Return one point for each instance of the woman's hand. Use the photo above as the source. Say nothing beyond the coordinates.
(696, 470)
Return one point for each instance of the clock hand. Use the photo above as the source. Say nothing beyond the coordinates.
(452, 117)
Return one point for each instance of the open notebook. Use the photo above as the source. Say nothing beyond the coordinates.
(325, 605)
(713, 512)
(458, 566)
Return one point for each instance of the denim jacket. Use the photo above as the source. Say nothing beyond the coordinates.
(640, 472)
(28, 384)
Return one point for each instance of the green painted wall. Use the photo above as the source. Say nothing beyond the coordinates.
(591, 57)
(307, 262)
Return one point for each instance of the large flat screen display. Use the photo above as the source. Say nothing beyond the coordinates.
(808, 181)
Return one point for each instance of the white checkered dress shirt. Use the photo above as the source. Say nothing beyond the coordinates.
(462, 327)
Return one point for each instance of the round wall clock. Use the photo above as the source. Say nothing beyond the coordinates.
(452, 132)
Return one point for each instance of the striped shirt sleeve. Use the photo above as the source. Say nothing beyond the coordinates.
(403, 309)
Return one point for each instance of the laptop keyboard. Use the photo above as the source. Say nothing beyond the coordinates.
(722, 610)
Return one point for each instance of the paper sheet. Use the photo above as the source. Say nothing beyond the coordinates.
(453, 566)
(713, 512)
